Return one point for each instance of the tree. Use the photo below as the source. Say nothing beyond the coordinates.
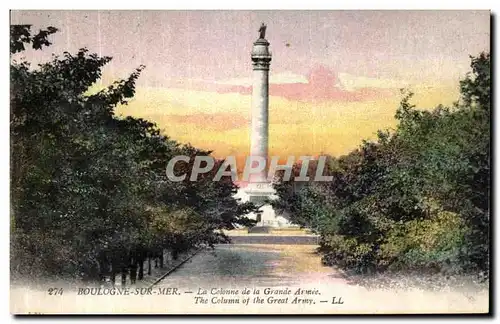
(431, 172)
(90, 196)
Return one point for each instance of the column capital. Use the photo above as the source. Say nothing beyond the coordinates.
(260, 64)
(261, 56)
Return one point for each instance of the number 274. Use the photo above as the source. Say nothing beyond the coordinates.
(55, 291)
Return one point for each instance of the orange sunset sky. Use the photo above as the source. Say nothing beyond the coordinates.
(335, 75)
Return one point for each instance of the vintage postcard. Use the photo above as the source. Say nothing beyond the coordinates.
(250, 162)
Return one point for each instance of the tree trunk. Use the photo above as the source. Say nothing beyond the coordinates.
(149, 266)
(104, 267)
(133, 273)
(161, 259)
(112, 276)
(124, 277)
(141, 269)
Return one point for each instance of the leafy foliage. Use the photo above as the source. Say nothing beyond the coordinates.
(21, 34)
(90, 196)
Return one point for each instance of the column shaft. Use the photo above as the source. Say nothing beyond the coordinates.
(260, 118)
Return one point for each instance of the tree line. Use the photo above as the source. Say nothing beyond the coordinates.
(417, 197)
(89, 192)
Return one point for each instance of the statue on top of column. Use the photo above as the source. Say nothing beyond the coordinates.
(262, 31)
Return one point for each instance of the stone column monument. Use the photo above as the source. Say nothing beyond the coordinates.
(261, 59)
(259, 189)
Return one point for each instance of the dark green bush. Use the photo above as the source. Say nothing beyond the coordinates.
(416, 198)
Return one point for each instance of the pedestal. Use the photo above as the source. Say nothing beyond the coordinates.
(259, 193)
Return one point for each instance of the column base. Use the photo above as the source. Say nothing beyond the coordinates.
(259, 193)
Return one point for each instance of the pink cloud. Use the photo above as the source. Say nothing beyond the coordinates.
(323, 85)
(219, 121)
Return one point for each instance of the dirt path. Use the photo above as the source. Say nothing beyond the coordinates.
(260, 279)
